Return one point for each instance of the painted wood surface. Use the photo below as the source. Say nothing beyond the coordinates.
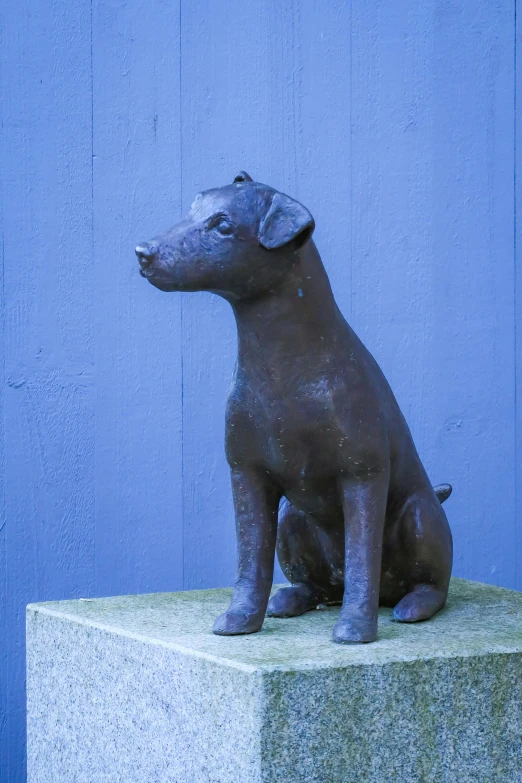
(394, 123)
(50, 291)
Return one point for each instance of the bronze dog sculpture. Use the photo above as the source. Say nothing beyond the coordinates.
(323, 464)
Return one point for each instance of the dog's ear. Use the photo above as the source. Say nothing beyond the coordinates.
(286, 221)
(243, 177)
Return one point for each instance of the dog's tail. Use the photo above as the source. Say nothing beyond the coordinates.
(443, 491)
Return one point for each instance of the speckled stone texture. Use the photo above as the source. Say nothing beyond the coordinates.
(138, 690)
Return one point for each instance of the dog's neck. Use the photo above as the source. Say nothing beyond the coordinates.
(295, 321)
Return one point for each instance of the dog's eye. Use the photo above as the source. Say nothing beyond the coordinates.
(223, 225)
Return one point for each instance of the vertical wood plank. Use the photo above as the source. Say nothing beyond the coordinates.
(432, 155)
(473, 198)
(48, 323)
(239, 93)
(137, 172)
(4, 657)
(323, 135)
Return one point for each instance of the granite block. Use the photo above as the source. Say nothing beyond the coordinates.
(137, 689)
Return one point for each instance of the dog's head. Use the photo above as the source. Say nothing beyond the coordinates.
(238, 241)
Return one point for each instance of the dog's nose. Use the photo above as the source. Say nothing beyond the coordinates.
(146, 252)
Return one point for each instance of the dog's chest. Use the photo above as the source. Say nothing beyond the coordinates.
(304, 454)
(300, 447)
(298, 440)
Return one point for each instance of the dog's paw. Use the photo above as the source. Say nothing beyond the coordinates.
(292, 601)
(355, 631)
(233, 623)
(421, 604)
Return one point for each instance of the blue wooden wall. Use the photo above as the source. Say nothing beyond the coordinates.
(394, 122)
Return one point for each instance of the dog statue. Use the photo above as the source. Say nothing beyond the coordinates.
(324, 468)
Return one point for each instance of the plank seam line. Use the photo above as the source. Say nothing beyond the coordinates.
(182, 351)
(515, 294)
(350, 166)
(95, 579)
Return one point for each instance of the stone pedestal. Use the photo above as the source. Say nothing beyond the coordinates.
(137, 689)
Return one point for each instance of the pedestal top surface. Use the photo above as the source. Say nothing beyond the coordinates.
(478, 619)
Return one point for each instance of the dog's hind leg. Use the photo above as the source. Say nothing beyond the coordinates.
(421, 603)
(312, 560)
(428, 549)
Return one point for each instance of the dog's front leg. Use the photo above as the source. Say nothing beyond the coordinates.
(364, 507)
(256, 502)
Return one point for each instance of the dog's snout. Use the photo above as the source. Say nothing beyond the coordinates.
(146, 252)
